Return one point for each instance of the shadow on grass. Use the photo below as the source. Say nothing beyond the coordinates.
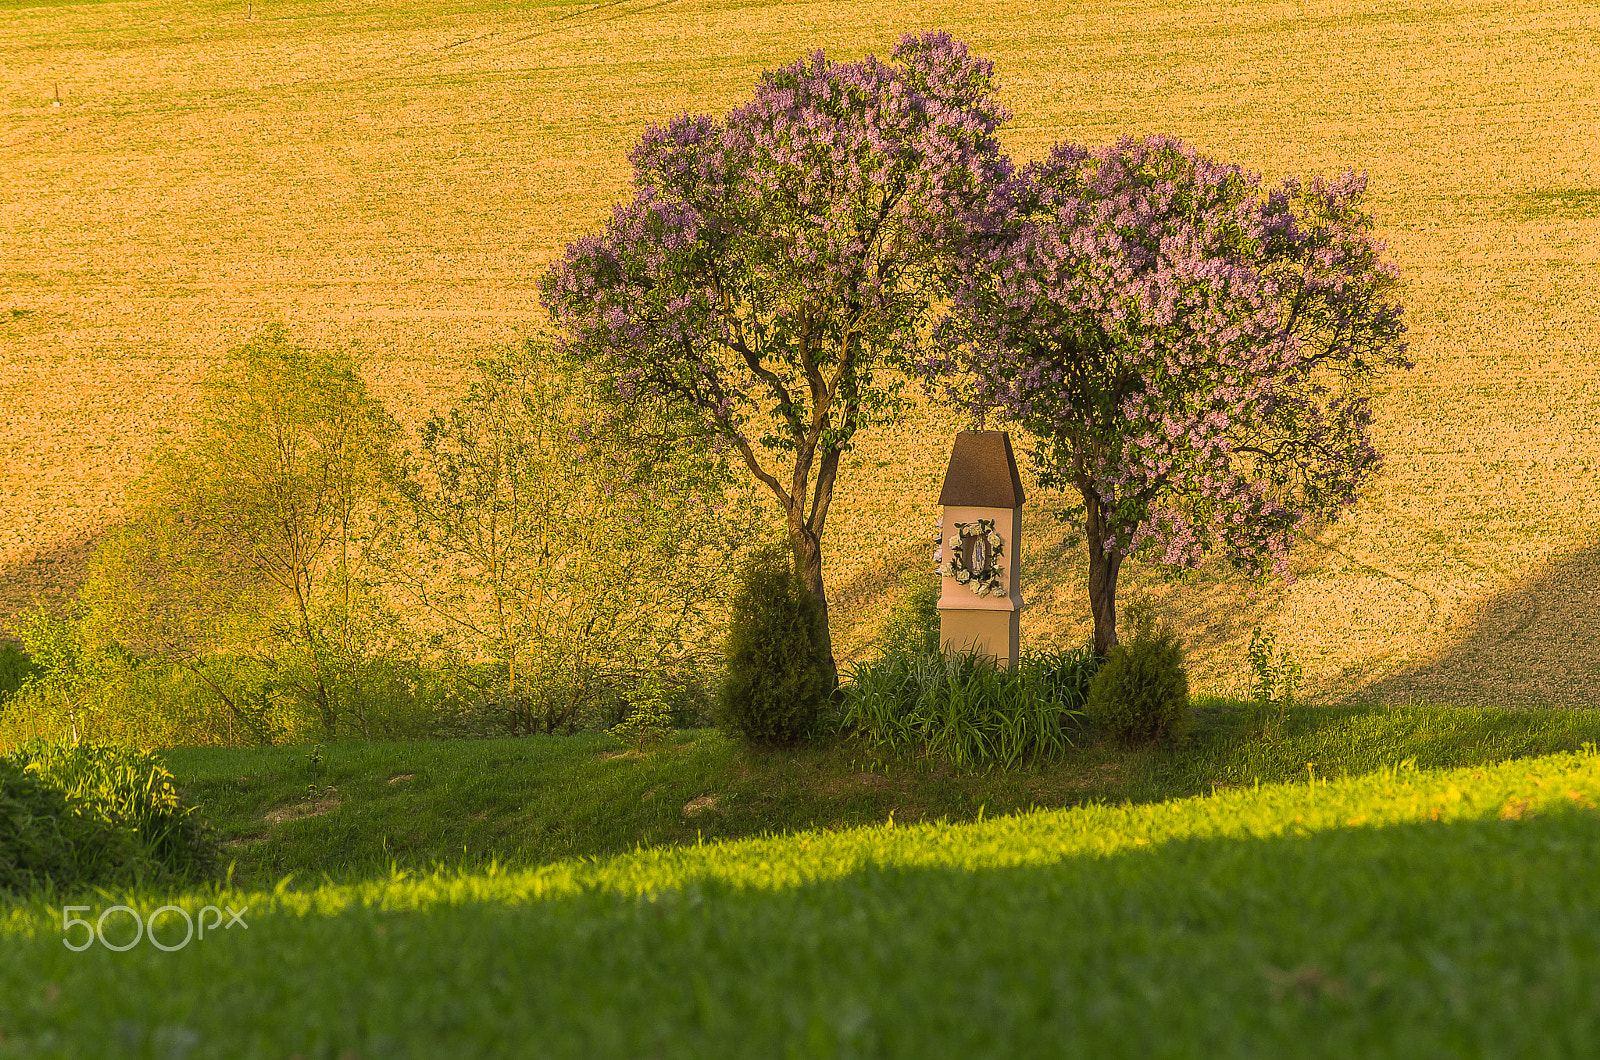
(52, 573)
(1470, 938)
(415, 805)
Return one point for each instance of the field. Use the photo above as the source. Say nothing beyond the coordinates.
(397, 176)
(1403, 913)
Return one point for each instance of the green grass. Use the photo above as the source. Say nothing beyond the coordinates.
(524, 802)
(1404, 913)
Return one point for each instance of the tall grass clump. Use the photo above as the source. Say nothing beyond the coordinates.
(44, 841)
(776, 664)
(119, 815)
(965, 708)
(1142, 691)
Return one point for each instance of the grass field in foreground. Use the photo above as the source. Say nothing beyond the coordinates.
(417, 804)
(1409, 913)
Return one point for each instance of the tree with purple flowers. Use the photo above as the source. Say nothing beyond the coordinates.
(771, 267)
(1193, 355)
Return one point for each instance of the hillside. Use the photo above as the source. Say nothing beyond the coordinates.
(397, 176)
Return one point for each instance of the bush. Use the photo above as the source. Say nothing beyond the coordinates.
(776, 677)
(42, 840)
(912, 626)
(1142, 691)
(96, 814)
(649, 715)
(965, 708)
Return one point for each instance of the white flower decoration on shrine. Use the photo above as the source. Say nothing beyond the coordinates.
(975, 552)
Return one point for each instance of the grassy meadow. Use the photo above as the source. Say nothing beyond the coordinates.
(1400, 913)
(356, 810)
(396, 176)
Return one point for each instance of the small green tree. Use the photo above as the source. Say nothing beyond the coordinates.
(777, 666)
(1142, 691)
(560, 539)
(649, 717)
(257, 534)
(912, 625)
(1275, 676)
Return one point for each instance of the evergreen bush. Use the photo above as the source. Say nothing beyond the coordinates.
(1142, 691)
(776, 677)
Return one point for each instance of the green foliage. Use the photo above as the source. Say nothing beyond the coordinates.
(1141, 693)
(649, 716)
(85, 687)
(256, 535)
(542, 542)
(912, 625)
(94, 814)
(776, 670)
(75, 675)
(965, 708)
(586, 541)
(16, 667)
(1275, 676)
(42, 841)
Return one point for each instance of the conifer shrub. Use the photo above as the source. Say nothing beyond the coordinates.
(775, 685)
(1141, 693)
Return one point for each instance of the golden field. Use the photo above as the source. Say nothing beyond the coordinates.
(397, 177)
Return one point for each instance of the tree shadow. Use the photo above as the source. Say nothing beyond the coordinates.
(1355, 941)
(51, 572)
(1534, 644)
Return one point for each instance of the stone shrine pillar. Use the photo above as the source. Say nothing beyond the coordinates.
(980, 546)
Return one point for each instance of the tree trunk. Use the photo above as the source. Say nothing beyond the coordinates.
(808, 561)
(1103, 567)
(325, 708)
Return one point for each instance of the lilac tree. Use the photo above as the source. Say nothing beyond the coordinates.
(1192, 354)
(771, 265)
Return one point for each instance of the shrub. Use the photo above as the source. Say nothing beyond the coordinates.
(1276, 676)
(776, 670)
(912, 626)
(124, 815)
(965, 708)
(1141, 692)
(42, 840)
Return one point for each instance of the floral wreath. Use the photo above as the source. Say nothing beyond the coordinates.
(985, 580)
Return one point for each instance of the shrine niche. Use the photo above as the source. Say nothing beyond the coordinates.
(980, 545)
